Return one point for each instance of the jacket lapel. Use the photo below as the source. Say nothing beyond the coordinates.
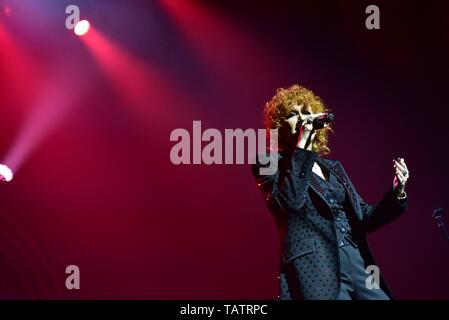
(341, 175)
(336, 168)
(315, 185)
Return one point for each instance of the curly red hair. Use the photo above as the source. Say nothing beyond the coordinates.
(277, 109)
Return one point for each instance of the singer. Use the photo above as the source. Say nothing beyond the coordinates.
(321, 219)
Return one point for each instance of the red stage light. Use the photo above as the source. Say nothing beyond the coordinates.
(82, 27)
(7, 9)
(5, 173)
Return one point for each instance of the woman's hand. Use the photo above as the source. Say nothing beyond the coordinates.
(307, 131)
(401, 177)
(300, 126)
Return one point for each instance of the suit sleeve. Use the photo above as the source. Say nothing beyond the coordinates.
(388, 209)
(286, 188)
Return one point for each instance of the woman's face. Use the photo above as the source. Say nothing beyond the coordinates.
(297, 113)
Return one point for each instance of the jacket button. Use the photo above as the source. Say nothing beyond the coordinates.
(342, 229)
(337, 219)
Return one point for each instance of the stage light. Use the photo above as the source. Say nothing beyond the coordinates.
(82, 27)
(5, 173)
(7, 9)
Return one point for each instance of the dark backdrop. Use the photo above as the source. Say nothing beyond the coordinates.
(98, 189)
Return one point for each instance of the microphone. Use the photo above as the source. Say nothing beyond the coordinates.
(319, 122)
(438, 216)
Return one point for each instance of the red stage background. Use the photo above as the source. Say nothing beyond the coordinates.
(86, 121)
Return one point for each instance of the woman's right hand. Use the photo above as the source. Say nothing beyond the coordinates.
(307, 131)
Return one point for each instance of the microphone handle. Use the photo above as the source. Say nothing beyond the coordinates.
(318, 123)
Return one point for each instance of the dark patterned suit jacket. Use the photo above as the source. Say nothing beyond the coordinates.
(309, 266)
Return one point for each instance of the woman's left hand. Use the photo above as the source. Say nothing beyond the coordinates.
(401, 176)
